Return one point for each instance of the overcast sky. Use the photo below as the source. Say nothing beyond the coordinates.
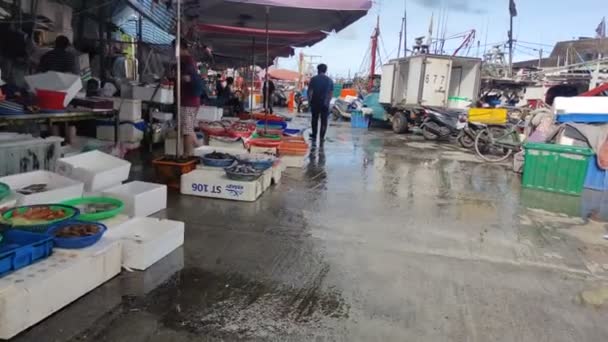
(539, 21)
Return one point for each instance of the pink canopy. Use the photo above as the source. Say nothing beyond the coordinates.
(287, 15)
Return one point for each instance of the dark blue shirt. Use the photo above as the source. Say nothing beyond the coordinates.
(320, 91)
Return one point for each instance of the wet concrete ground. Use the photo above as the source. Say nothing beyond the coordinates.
(380, 238)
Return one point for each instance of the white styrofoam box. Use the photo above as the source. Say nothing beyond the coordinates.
(581, 105)
(59, 188)
(145, 94)
(293, 161)
(162, 117)
(170, 145)
(268, 150)
(236, 144)
(23, 154)
(128, 109)
(96, 169)
(128, 131)
(209, 113)
(140, 198)
(142, 283)
(146, 240)
(277, 172)
(201, 151)
(204, 183)
(266, 177)
(31, 294)
(56, 81)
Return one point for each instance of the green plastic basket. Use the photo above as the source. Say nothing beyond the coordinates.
(7, 217)
(266, 136)
(556, 168)
(100, 216)
(5, 190)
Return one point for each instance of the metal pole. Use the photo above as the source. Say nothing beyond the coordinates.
(252, 75)
(178, 78)
(267, 62)
(511, 46)
(540, 58)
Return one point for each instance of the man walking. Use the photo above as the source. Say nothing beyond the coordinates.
(320, 90)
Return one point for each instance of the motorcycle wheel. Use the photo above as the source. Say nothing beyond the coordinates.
(466, 141)
(428, 135)
(335, 115)
(400, 123)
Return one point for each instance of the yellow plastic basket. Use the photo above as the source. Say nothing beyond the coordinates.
(489, 116)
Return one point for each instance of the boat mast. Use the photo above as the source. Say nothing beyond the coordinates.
(403, 32)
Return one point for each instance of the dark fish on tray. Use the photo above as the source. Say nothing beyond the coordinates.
(244, 169)
(219, 156)
(33, 189)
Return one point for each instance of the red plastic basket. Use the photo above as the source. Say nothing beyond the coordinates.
(52, 100)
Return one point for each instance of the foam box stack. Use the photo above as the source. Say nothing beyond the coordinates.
(96, 169)
(29, 295)
(140, 198)
(146, 240)
(204, 183)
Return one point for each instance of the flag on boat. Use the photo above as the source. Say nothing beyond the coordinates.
(601, 29)
(512, 8)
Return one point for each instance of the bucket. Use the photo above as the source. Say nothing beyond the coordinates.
(52, 100)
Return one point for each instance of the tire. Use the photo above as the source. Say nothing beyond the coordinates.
(484, 147)
(466, 141)
(335, 115)
(428, 135)
(400, 125)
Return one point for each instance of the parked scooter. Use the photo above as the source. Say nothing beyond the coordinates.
(301, 103)
(441, 123)
(467, 135)
(280, 98)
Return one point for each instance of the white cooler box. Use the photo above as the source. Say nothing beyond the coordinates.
(128, 109)
(211, 184)
(145, 94)
(140, 198)
(59, 188)
(146, 240)
(209, 113)
(96, 169)
(128, 131)
(31, 294)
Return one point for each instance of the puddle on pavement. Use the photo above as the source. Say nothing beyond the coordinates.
(232, 307)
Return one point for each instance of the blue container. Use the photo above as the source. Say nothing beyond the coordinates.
(262, 165)
(217, 162)
(597, 179)
(272, 124)
(358, 120)
(19, 249)
(77, 242)
(292, 132)
(583, 118)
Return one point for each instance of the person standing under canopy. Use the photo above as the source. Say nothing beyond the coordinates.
(59, 59)
(320, 92)
(268, 95)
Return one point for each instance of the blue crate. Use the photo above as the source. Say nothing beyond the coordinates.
(358, 120)
(597, 179)
(19, 249)
(582, 118)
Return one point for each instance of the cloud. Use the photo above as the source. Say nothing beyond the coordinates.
(465, 6)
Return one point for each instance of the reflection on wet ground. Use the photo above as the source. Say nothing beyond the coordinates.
(380, 238)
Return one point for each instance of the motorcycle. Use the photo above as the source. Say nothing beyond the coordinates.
(301, 103)
(343, 109)
(442, 123)
(466, 138)
(280, 98)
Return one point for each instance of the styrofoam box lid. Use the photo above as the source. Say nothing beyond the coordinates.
(56, 81)
(53, 180)
(144, 228)
(134, 188)
(95, 161)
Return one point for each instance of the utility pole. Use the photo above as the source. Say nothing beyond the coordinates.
(512, 14)
(374, 52)
(540, 58)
